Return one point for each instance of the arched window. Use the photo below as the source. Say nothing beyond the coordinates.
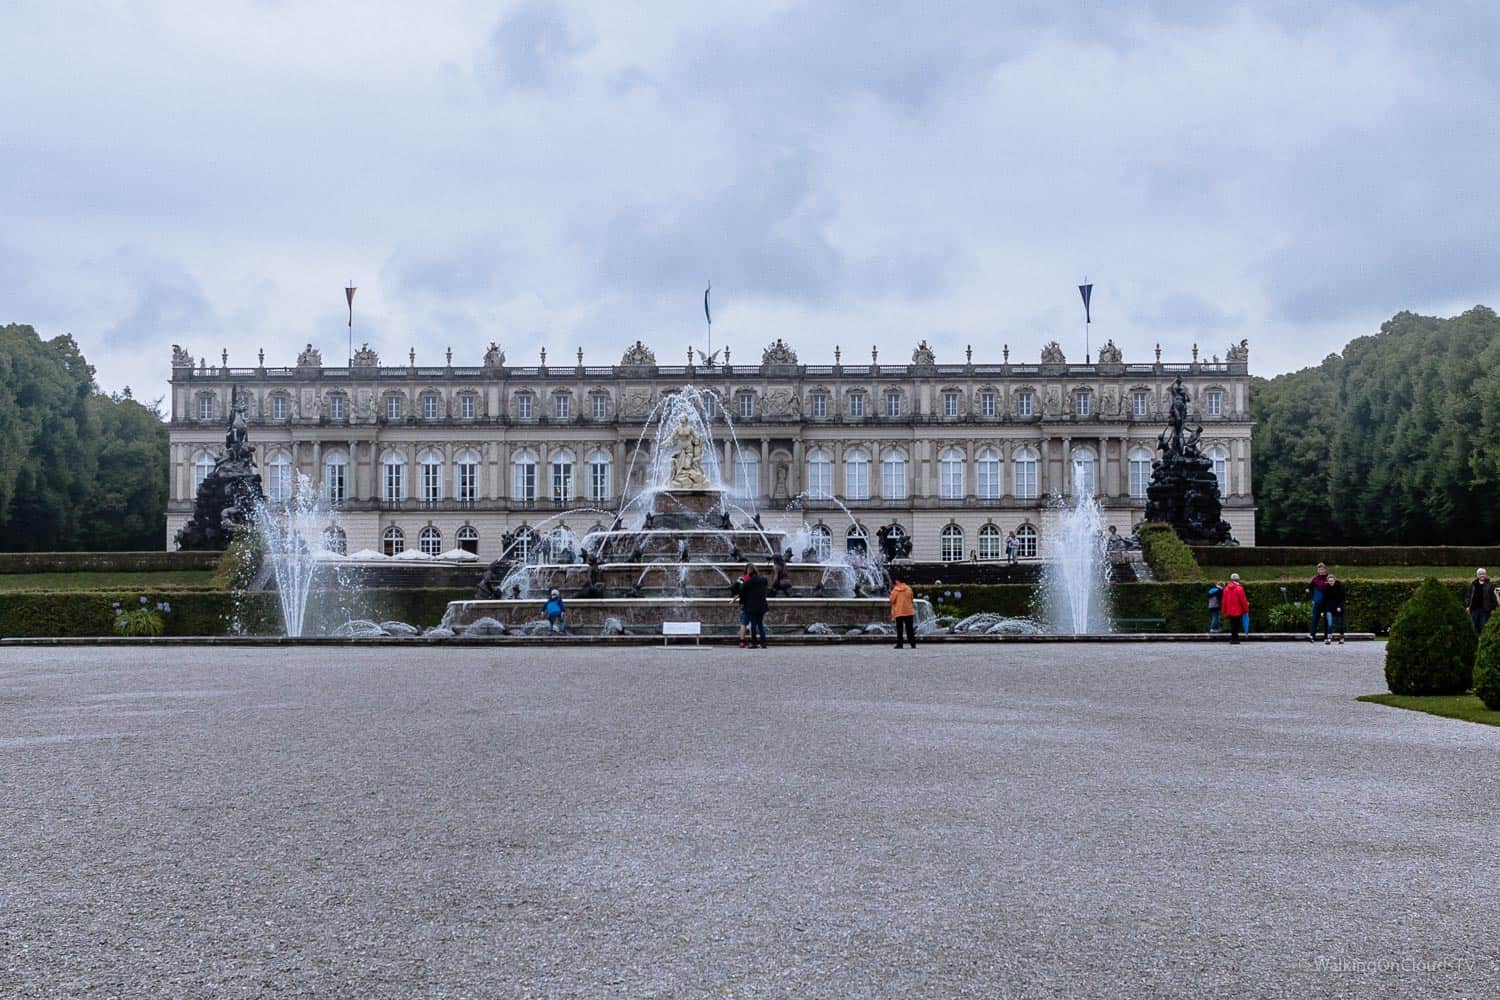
(1085, 483)
(335, 477)
(951, 474)
(393, 477)
(989, 542)
(1026, 542)
(520, 544)
(857, 540)
(468, 538)
(279, 477)
(856, 474)
(203, 464)
(1220, 457)
(430, 541)
(393, 542)
(334, 540)
(430, 463)
(953, 543)
(1140, 472)
(987, 474)
(822, 542)
(746, 475)
(466, 476)
(819, 474)
(562, 474)
(523, 476)
(893, 474)
(1025, 477)
(599, 476)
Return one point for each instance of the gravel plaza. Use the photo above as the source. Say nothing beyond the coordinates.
(1145, 819)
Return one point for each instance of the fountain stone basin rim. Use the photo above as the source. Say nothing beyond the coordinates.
(718, 615)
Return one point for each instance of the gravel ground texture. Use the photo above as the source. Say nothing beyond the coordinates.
(1172, 820)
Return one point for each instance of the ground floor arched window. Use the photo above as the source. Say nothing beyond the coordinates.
(1026, 542)
(952, 543)
(393, 542)
(857, 540)
(468, 538)
(822, 542)
(989, 542)
(334, 540)
(430, 540)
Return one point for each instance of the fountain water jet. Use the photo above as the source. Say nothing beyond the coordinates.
(1075, 577)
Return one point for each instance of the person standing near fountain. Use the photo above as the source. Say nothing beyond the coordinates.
(753, 600)
(1236, 607)
(554, 612)
(903, 612)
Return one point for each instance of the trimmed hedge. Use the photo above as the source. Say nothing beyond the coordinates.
(106, 562)
(1487, 665)
(1166, 553)
(208, 612)
(1431, 650)
(1382, 555)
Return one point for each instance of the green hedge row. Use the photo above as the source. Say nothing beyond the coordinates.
(106, 562)
(1388, 555)
(213, 612)
(1371, 607)
(1166, 553)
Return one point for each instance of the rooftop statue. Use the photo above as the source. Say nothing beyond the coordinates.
(778, 354)
(1238, 353)
(1109, 354)
(1052, 354)
(638, 355)
(181, 357)
(923, 355)
(366, 358)
(311, 357)
(687, 459)
(494, 357)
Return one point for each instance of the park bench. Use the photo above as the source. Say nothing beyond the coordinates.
(670, 629)
(1140, 624)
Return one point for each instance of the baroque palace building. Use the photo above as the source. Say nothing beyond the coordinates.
(954, 456)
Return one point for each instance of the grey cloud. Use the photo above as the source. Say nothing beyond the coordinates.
(1184, 310)
(533, 48)
(487, 268)
(167, 302)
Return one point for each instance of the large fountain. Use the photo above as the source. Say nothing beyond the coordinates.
(673, 549)
(1075, 578)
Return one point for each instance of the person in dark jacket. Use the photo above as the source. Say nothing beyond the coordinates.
(753, 600)
(734, 591)
(1480, 599)
(1333, 608)
(1315, 589)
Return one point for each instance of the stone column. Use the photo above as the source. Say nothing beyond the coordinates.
(1067, 465)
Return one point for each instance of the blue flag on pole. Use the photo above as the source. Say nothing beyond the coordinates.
(706, 314)
(1087, 291)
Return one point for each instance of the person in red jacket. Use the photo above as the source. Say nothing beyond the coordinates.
(1236, 607)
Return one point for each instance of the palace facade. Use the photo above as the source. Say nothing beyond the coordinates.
(954, 456)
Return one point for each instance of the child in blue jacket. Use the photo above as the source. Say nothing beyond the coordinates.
(554, 612)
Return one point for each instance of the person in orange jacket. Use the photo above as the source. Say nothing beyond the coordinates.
(903, 613)
(1236, 607)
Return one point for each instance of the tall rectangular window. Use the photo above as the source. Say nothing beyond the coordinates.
(950, 404)
(857, 404)
(278, 407)
(893, 478)
(987, 404)
(1140, 404)
(393, 407)
(429, 407)
(468, 482)
(338, 407)
(1083, 404)
(893, 404)
(467, 406)
(820, 404)
(336, 481)
(562, 406)
(598, 482)
(432, 482)
(1215, 400)
(562, 481)
(747, 405)
(600, 403)
(205, 407)
(525, 481)
(393, 485)
(1024, 404)
(523, 406)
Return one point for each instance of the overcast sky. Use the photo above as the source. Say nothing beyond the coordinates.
(566, 175)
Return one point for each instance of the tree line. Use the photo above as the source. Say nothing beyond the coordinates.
(1394, 441)
(79, 469)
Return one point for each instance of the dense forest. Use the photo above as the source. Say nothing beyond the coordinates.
(78, 469)
(1396, 441)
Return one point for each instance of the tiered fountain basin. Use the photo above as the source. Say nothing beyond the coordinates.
(677, 564)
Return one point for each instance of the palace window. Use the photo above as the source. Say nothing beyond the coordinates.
(893, 404)
(950, 404)
(856, 474)
(951, 474)
(1214, 403)
(856, 404)
(819, 474)
(1083, 403)
(466, 476)
(430, 466)
(562, 406)
(338, 407)
(953, 543)
(1025, 403)
(710, 406)
(430, 540)
(523, 477)
(599, 477)
(1025, 477)
(336, 477)
(987, 472)
(893, 474)
(989, 542)
(205, 407)
(600, 406)
(856, 540)
(203, 464)
(821, 540)
(820, 404)
(393, 477)
(279, 478)
(746, 475)
(429, 406)
(1026, 542)
(562, 476)
(334, 540)
(393, 407)
(1140, 472)
(1085, 482)
(520, 543)
(523, 406)
(468, 538)
(987, 404)
(280, 407)
(393, 542)
(468, 406)
(746, 404)
(1140, 403)
(1220, 458)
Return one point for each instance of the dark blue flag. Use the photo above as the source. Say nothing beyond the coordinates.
(706, 314)
(1087, 292)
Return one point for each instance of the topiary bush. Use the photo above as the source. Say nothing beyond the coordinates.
(1166, 553)
(1431, 649)
(1487, 665)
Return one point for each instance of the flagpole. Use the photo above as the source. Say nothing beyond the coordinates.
(709, 316)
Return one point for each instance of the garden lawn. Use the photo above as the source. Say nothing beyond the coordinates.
(173, 579)
(1301, 574)
(1450, 706)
